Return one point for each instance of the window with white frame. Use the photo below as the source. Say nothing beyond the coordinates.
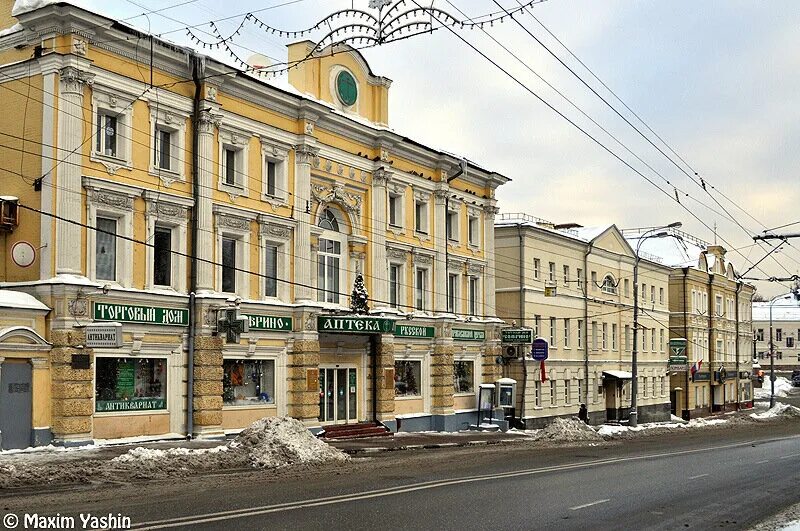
(718, 305)
(594, 335)
(552, 332)
(274, 172)
(109, 248)
(537, 394)
(759, 335)
(661, 295)
(233, 251)
(464, 376)
(395, 210)
(536, 267)
(779, 334)
(652, 340)
(421, 215)
(643, 293)
(421, 289)
(605, 336)
(626, 287)
(609, 285)
(613, 336)
(567, 391)
(329, 258)
(248, 382)
(661, 340)
(652, 294)
(594, 280)
(553, 397)
(106, 248)
(395, 277)
(473, 223)
(537, 321)
(552, 272)
(112, 127)
(107, 134)
(168, 133)
(164, 150)
(580, 333)
(270, 269)
(407, 378)
(162, 256)
(452, 292)
(474, 295)
(644, 339)
(566, 333)
(233, 150)
(228, 266)
(580, 278)
(167, 222)
(566, 275)
(627, 337)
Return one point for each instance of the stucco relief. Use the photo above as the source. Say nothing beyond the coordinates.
(233, 222)
(119, 201)
(336, 194)
(73, 80)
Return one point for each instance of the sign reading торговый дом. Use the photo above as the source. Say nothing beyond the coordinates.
(141, 314)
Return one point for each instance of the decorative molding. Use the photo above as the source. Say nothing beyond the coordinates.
(336, 194)
(491, 211)
(211, 93)
(363, 176)
(311, 322)
(381, 177)
(454, 205)
(392, 252)
(474, 211)
(421, 195)
(475, 268)
(78, 307)
(422, 259)
(308, 128)
(79, 47)
(111, 167)
(232, 222)
(306, 155)
(73, 80)
(397, 188)
(268, 227)
(340, 169)
(112, 199)
(208, 121)
(171, 211)
(441, 196)
(328, 166)
(384, 155)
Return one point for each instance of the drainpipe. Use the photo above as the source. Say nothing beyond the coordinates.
(197, 66)
(522, 320)
(686, 335)
(586, 320)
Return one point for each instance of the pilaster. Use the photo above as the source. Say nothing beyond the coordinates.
(72, 389)
(385, 377)
(440, 243)
(379, 263)
(205, 215)
(442, 371)
(304, 156)
(207, 399)
(302, 371)
(489, 308)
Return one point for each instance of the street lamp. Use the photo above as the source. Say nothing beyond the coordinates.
(772, 301)
(633, 415)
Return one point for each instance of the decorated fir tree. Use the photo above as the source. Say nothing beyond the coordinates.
(359, 296)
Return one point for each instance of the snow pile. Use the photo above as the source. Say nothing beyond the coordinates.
(702, 422)
(568, 430)
(278, 441)
(782, 387)
(778, 411)
(141, 453)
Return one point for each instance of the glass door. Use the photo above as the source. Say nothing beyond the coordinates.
(338, 395)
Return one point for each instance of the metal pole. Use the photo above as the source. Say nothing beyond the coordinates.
(633, 416)
(771, 359)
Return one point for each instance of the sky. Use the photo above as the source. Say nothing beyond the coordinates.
(717, 80)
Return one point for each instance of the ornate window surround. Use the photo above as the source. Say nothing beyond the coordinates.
(165, 118)
(171, 211)
(111, 101)
(277, 153)
(275, 231)
(334, 72)
(239, 141)
(398, 190)
(234, 223)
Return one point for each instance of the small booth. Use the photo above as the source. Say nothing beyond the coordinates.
(506, 392)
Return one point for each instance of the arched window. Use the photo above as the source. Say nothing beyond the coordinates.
(328, 221)
(609, 285)
(331, 259)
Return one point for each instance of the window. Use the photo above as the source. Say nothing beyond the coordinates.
(661, 340)
(627, 337)
(580, 333)
(421, 216)
(452, 293)
(652, 294)
(718, 304)
(537, 391)
(579, 388)
(473, 228)
(566, 275)
(106, 249)
(661, 295)
(127, 384)
(552, 272)
(760, 334)
(594, 280)
(168, 134)
(421, 288)
(407, 375)
(779, 334)
(553, 400)
(274, 173)
(644, 386)
(652, 340)
(451, 224)
(605, 336)
(248, 382)
(106, 136)
(464, 377)
(270, 179)
(229, 265)
(537, 319)
(643, 294)
(594, 335)
(790, 341)
(229, 166)
(328, 268)
(162, 150)
(395, 210)
(233, 164)
(162, 256)
(720, 353)
(580, 278)
(553, 332)
(644, 339)
(394, 285)
(567, 389)
(474, 295)
(627, 287)
(536, 267)
(270, 270)
(613, 336)
(609, 286)
(566, 333)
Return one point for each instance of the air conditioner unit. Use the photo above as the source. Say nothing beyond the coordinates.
(9, 213)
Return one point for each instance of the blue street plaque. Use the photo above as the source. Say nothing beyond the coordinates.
(539, 349)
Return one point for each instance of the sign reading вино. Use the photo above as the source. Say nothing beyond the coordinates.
(269, 322)
(355, 325)
(141, 314)
(468, 334)
(408, 330)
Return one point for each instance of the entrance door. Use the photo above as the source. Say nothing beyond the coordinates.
(612, 397)
(337, 395)
(16, 404)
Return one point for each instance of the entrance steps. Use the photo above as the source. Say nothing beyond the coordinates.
(355, 431)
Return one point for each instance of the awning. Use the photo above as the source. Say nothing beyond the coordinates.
(619, 375)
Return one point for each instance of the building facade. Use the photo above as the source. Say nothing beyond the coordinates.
(268, 199)
(711, 309)
(588, 323)
(785, 334)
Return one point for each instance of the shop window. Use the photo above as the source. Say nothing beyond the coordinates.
(106, 249)
(407, 376)
(248, 382)
(128, 384)
(464, 377)
(162, 256)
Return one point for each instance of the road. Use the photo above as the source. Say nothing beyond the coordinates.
(729, 478)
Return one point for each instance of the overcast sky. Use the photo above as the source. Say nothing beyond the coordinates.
(716, 79)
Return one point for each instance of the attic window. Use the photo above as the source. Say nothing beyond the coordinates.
(609, 286)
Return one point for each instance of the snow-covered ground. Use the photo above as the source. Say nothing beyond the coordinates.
(783, 386)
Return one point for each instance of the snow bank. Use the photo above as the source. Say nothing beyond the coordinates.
(568, 430)
(778, 411)
(782, 387)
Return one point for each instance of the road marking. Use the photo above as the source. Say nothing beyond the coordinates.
(699, 476)
(788, 456)
(585, 505)
(412, 487)
(762, 462)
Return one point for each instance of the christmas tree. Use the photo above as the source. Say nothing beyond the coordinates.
(359, 297)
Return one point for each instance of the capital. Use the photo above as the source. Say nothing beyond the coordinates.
(305, 154)
(73, 80)
(381, 177)
(491, 211)
(207, 121)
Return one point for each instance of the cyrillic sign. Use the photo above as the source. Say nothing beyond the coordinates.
(678, 346)
(105, 335)
(409, 330)
(355, 325)
(141, 314)
(134, 404)
(468, 334)
(678, 367)
(517, 335)
(269, 322)
(701, 377)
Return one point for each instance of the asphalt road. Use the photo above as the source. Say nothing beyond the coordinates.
(729, 478)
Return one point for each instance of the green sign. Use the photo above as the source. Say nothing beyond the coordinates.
(678, 359)
(355, 325)
(269, 322)
(517, 335)
(678, 346)
(141, 314)
(408, 330)
(346, 88)
(468, 334)
(135, 404)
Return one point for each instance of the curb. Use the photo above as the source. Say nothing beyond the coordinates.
(433, 446)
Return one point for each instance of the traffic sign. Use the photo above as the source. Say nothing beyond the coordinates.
(540, 349)
(517, 335)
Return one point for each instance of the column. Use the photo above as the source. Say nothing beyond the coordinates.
(489, 309)
(204, 206)
(68, 182)
(72, 389)
(42, 435)
(491, 371)
(440, 244)
(304, 156)
(380, 266)
(207, 397)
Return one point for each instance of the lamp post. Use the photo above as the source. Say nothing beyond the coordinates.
(633, 415)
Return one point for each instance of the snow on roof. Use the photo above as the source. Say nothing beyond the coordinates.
(23, 6)
(20, 301)
(672, 251)
(782, 310)
(13, 29)
(590, 233)
(620, 375)
(584, 234)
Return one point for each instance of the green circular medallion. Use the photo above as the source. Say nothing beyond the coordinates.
(346, 88)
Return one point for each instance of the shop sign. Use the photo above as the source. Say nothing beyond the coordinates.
(517, 335)
(468, 334)
(104, 335)
(355, 325)
(701, 377)
(539, 350)
(678, 360)
(677, 346)
(678, 367)
(141, 314)
(134, 404)
(408, 330)
(269, 322)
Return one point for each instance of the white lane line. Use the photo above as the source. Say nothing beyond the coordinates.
(698, 476)
(762, 462)
(585, 505)
(788, 456)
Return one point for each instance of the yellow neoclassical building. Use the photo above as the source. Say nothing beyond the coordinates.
(135, 182)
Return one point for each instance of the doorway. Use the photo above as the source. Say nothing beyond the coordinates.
(338, 396)
(16, 404)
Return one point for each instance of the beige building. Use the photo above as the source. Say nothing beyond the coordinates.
(711, 309)
(588, 323)
(785, 333)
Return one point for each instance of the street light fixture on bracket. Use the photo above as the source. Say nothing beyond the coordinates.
(633, 415)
